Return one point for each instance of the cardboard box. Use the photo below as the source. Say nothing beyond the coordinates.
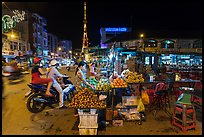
(109, 114)
(88, 120)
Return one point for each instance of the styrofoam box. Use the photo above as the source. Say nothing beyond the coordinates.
(82, 111)
(88, 120)
(129, 101)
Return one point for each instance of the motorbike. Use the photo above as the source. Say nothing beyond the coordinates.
(14, 74)
(37, 100)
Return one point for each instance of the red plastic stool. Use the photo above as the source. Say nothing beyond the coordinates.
(184, 117)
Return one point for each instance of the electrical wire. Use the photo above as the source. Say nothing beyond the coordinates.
(6, 6)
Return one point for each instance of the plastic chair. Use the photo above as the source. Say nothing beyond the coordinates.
(196, 97)
(158, 95)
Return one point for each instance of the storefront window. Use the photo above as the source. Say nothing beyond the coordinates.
(167, 44)
(185, 59)
(151, 43)
(197, 44)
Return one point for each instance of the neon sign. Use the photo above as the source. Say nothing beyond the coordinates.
(9, 22)
(116, 29)
(18, 16)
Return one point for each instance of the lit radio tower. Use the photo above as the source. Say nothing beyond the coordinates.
(85, 37)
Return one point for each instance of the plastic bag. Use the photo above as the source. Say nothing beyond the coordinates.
(145, 97)
(140, 107)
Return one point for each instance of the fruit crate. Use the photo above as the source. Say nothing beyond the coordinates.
(88, 120)
(88, 131)
(130, 100)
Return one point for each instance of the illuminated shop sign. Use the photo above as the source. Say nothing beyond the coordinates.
(9, 22)
(116, 29)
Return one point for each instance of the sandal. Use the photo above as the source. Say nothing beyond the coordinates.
(49, 95)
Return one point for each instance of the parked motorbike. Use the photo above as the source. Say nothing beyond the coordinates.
(37, 100)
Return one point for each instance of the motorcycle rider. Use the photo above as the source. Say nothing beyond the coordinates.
(54, 73)
(36, 79)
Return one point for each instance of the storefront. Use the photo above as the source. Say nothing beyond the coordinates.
(190, 60)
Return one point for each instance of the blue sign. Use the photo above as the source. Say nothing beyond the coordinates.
(116, 29)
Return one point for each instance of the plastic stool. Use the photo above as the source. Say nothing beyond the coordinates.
(184, 115)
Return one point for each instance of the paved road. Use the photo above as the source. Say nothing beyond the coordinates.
(16, 119)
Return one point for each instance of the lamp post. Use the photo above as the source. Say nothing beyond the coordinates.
(70, 54)
(15, 37)
(142, 36)
(59, 49)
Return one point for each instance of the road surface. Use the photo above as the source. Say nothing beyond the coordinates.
(17, 120)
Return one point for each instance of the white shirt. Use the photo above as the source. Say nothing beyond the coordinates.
(53, 73)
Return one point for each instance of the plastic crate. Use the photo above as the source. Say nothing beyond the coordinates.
(88, 120)
(130, 100)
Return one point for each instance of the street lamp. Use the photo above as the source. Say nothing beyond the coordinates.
(59, 51)
(12, 36)
(15, 37)
(70, 54)
(142, 36)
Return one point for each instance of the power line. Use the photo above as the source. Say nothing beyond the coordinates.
(6, 6)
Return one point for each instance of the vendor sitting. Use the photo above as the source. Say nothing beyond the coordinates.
(92, 69)
(119, 91)
(113, 76)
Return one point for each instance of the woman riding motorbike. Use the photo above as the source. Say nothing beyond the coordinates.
(36, 78)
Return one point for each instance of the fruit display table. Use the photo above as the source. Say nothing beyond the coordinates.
(87, 100)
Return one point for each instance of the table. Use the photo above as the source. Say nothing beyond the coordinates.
(140, 84)
(190, 82)
(107, 93)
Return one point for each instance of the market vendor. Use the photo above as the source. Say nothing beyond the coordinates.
(113, 76)
(92, 69)
(119, 91)
(81, 81)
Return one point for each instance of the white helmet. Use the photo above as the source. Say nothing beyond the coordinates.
(53, 62)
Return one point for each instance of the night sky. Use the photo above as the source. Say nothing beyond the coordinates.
(65, 19)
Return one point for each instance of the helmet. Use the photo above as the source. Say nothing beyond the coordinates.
(36, 60)
(53, 62)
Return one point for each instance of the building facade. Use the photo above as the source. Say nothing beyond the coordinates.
(27, 38)
(40, 36)
(110, 32)
(165, 48)
(52, 44)
(65, 48)
(15, 41)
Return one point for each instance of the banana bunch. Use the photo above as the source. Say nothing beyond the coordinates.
(133, 77)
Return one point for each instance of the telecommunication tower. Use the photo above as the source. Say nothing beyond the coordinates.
(85, 37)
